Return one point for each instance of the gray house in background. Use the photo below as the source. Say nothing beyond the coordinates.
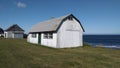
(14, 31)
(61, 32)
(1, 32)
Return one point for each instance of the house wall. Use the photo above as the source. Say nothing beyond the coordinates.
(31, 39)
(11, 34)
(70, 34)
(8, 34)
(1, 35)
(49, 42)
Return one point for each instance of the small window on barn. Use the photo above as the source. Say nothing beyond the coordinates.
(70, 18)
(34, 35)
(45, 36)
(48, 35)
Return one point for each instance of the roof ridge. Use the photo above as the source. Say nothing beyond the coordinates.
(61, 17)
(56, 18)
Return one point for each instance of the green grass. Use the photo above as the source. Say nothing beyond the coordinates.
(17, 53)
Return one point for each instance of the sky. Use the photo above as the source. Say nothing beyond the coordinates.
(96, 16)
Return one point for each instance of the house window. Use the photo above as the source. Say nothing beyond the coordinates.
(34, 35)
(48, 35)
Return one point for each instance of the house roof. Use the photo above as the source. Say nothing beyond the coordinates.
(14, 27)
(1, 31)
(51, 25)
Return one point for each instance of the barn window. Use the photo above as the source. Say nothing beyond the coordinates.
(34, 35)
(45, 35)
(48, 35)
(70, 18)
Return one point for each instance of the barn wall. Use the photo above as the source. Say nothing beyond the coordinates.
(49, 42)
(32, 40)
(70, 34)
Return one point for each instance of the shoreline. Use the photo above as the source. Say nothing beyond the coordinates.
(105, 46)
(108, 46)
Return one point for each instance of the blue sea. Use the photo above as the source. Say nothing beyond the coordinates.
(109, 41)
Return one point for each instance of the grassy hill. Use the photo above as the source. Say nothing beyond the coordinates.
(17, 53)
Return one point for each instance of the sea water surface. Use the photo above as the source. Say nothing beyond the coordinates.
(109, 41)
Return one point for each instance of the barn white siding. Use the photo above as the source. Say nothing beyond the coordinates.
(70, 34)
(49, 42)
(32, 40)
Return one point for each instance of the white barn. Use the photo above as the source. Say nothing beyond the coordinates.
(14, 31)
(62, 32)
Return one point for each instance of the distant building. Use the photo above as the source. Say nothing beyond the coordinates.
(14, 31)
(1, 32)
(62, 32)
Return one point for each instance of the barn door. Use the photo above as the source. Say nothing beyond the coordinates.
(39, 38)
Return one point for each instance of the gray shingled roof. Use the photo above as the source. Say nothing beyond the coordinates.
(14, 27)
(49, 25)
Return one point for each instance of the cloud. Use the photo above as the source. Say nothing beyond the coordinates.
(21, 5)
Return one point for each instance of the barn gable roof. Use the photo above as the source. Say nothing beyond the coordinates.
(51, 25)
(14, 27)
